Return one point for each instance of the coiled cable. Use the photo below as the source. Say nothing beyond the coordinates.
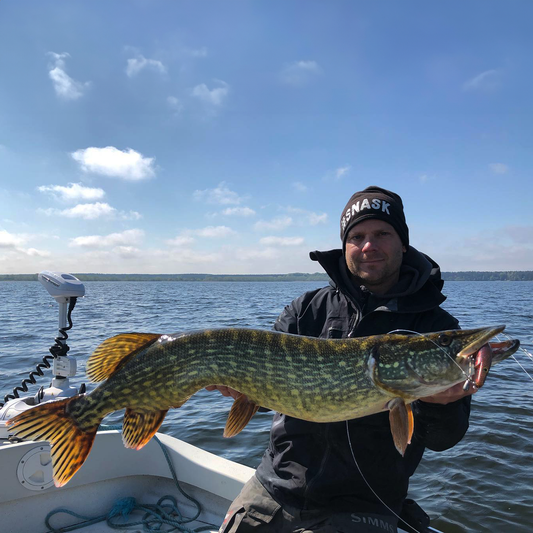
(58, 349)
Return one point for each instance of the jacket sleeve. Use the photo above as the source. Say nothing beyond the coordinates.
(440, 427)
(287, 321)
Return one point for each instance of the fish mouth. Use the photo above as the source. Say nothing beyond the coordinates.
(503, 350)
(483, 336)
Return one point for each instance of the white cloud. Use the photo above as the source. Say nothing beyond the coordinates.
(130, 215)
(214, 231)
(239, 211)
(86, 211)
(214, 96)
(317, 218)
(424, 178)
(308, 217)
(199, 52)
(65, 87)
(263, 254)
(487, 80)
(220, 195)
(175, 104)
(186, 237)
(499, 168)
(299, 186)
(281, 241)
(33, 252)
(13, 242)
(136, 64)
(342, 171)
(300, 72)
(73, 192)
(110, 161)
(276, 224)
(92, 212)
(127, 251)
(338, 173)
(520, 235)
(125, 239)
(180, 240)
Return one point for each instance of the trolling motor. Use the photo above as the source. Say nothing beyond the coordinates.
(65, 289)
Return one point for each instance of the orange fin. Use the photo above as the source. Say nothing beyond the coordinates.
(402, 423)
(139, 427)
(114, 352)
(51, 421)
(240, 414)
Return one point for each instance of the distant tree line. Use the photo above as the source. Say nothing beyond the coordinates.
(524, 275)
(297, 276)
(518, 275)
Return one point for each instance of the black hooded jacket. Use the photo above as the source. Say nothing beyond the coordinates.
(310, 465)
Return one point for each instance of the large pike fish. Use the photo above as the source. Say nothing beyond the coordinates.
(319, 380)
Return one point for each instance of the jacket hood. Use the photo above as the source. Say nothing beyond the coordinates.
(418, 289)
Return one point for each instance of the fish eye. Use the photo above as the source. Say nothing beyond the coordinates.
(444, 340)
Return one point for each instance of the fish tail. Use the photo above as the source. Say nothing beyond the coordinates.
(57, 423)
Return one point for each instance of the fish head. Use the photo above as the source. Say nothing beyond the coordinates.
(415, 366)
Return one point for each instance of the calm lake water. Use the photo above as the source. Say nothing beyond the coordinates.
(485, 483)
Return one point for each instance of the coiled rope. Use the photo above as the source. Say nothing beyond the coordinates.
(164, 513)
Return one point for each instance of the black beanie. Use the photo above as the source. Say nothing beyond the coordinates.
(375, 202)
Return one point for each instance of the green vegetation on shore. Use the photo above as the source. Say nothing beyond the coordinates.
(524, 275)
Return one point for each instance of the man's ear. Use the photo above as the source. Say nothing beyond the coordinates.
(404, 249)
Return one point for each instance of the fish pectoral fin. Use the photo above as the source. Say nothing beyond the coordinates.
(402, 423)
(140, 426)
(240, 414)
(114, 352)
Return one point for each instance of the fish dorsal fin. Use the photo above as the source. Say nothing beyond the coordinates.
(402, 423)
(113, 352)
(140, 426)
(240, 414)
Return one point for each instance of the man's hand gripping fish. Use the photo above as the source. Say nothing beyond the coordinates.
(319, 380)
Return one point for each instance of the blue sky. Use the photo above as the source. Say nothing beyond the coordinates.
(226, 137)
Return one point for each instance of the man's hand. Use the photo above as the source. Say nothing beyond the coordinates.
(451, 395)
(225, 391)
(482, 362)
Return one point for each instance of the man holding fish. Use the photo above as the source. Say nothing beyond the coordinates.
(359, 404)
(343, 477)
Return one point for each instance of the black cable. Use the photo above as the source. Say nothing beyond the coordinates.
(58, 349)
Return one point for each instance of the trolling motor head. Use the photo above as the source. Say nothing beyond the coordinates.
(61, 285)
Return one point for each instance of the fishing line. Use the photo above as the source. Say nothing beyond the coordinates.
(370, 486)
(520, 365)
(517, 361)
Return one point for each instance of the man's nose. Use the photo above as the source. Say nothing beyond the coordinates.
(368, 245)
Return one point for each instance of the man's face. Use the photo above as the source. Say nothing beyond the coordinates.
(374, 254)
